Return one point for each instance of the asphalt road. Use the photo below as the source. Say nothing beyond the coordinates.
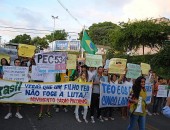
(66, 121)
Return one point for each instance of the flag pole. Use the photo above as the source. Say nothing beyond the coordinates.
(82, 37)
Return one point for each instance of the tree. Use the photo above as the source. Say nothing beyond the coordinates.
(132, 35)
(161, 62)
(100, 33)
(24, 39)
(40, 42)
(57, 35)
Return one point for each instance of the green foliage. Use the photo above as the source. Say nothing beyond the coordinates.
(100, 33)
(145, 33)
(161, 62)
(40, 42)
(57, 35)
(23, 39)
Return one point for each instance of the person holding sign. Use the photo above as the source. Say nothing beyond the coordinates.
(17, 62)
(137, 104)
(81, 79)
(4, 62)
(97, 79)
(157, 100)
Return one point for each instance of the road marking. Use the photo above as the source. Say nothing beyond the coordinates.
(31, 123)
(150, 127)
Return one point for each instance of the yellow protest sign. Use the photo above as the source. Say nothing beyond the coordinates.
(71, 62)
(26, 50)
(145, 68)
(117, 65)
(6, 56)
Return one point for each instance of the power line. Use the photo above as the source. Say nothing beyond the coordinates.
(69, 13)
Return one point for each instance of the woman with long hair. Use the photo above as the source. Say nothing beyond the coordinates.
(137, 104)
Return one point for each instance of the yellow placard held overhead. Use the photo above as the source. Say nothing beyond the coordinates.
(145, 68)
(71, 62)
(26, 50)
(6, 56)
(117, 65)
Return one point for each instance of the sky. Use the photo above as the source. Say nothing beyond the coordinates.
(37, 14)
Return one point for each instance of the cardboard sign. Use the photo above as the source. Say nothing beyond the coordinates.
(35, 74)
(117, 65)
(15, 73)
(145, 68)
(162, 91)
(25, 50)
(71, 61)
(133, 71)
(93, 60)
(53, 62)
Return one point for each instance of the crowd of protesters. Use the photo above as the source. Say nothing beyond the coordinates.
(84, 73)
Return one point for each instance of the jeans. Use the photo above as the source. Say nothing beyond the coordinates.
(134, 119)
(95, 104)
(157, 104)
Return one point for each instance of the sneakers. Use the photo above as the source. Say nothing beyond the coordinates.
(8, 116)
(154, 114)
(112, 118)
(40, 116)
(100, 119)
(78, 119)
(150, 114)
(85, 120)
(92, 119)
(105, 118)
(65, 109)
(157, 113)
(18, 115)
(57, 109)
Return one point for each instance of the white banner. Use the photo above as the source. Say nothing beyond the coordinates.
(15, 73)
(70, 93)
(53, 62)
(116, 95)
(162, 91)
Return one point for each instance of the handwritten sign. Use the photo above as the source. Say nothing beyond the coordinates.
(15, 73)
(25, 50)
(116, 95)
(162, 91)
(53, 62)
(133, 71)
(35, 74)
(117, 65)
(93, 60)
(71, 62)
(145, 68)
(107, 64)
(71, 93)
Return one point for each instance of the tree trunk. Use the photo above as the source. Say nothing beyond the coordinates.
(143, 49)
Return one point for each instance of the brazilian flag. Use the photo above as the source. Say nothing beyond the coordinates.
(88, 45)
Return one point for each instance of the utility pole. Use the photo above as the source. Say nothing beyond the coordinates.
(54, 18)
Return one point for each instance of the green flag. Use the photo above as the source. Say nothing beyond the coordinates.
(88, 45)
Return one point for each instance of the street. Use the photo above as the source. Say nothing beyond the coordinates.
(66, 121)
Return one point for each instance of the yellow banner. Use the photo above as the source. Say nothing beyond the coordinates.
(145, 68)
(117, 65)
(6, 56)
(71, 62)
(26, 50)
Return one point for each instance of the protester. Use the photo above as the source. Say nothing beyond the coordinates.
(81, 79)
(157, 100)
(108, 111)
(17, 62)
(4, 62)
(137, 104)
(97, 79)
(91, 73)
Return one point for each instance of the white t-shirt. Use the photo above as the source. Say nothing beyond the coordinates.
(91, 74)
(49, 77)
